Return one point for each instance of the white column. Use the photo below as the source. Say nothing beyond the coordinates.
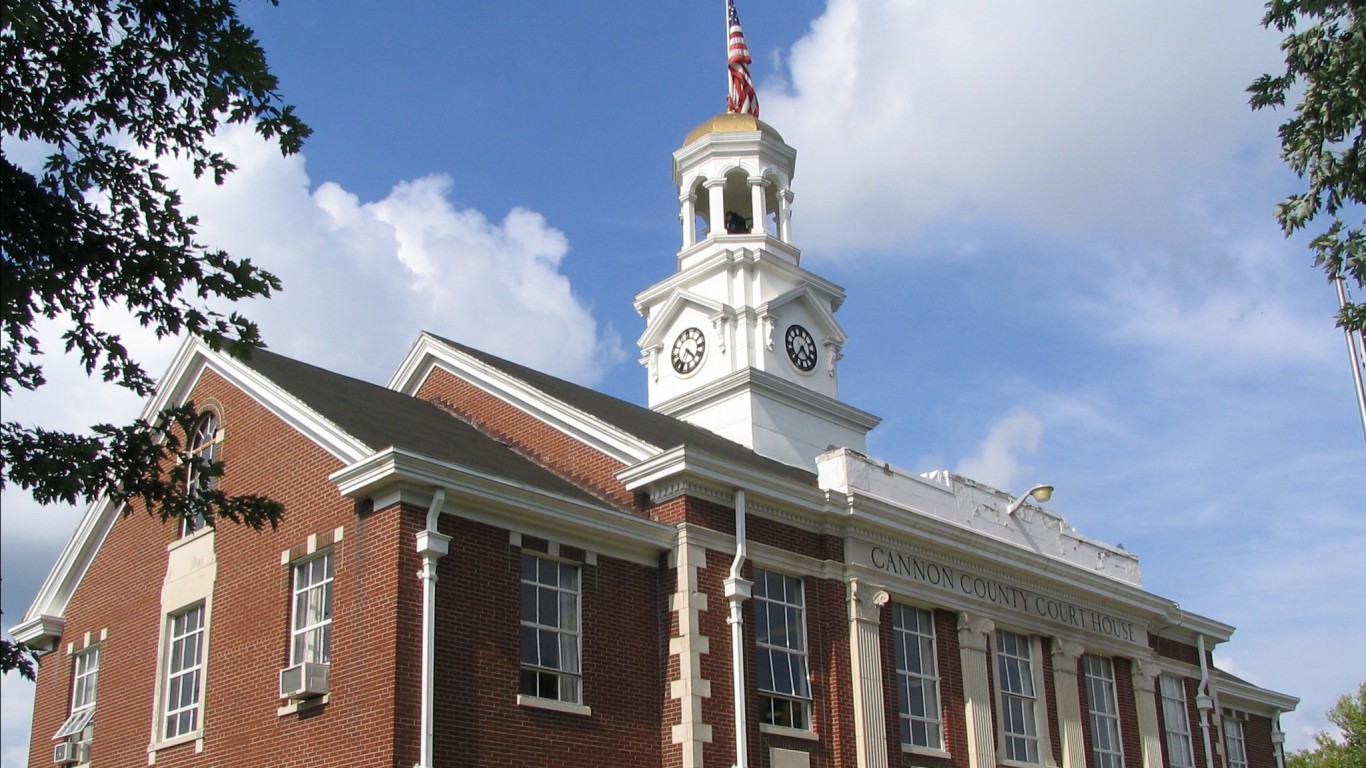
(865, 652)
(756, 204)
(716, 199)
(1145, 701)
(1065, 655)
(688, 213)
(785, 216)
(973, 633)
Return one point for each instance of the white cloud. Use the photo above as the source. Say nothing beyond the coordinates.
(1063, 118)
(998, 461)
(361, 279)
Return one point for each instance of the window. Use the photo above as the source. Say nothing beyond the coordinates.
(85, 675)
(780, 634)
(203, 453)
(1019, 696)
(1104, 706)
(184, 673)
(1176, 722)
(311, 631)
(1233, 737)
(551, 630)
(917, 678)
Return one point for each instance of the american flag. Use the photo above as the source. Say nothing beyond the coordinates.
(742, 97)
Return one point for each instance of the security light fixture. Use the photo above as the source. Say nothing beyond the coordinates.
(1038, 493)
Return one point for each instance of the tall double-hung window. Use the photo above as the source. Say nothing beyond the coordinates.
(85, 676)
(184, 673)
(311, 630)
(917, 678)
(1019, 697)
(1103, 702)
(552, 635)
(1234, 743)
(202, 454)
(780, 635)
(1176, 722)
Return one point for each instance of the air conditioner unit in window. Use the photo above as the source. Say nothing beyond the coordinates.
(303, 681)
(68, 752)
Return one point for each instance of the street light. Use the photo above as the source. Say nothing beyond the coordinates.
(1038, 493)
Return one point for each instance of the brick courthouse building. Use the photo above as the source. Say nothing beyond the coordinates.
(483, 565)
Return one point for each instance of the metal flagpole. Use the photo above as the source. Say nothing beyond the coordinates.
(1355, 342)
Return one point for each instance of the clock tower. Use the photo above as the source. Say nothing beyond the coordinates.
(741, 339)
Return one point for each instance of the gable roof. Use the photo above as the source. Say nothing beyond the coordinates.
(350, 418)
(382, 418)
(659, 430)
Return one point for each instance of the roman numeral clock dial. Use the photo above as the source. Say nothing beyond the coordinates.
(688, 350)
(801, 348)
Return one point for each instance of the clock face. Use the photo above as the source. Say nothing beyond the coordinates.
(688, 350)
(801, 348)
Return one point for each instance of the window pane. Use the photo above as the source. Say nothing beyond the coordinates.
(551, 636)
(780, 637)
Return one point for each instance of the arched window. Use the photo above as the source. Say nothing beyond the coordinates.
(202, 454)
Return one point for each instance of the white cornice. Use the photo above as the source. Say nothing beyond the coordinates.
(775, 388)
(724, 258)
(194, 357)
(688, 464)
(395, 474)
(1244, 695)
(429, 353)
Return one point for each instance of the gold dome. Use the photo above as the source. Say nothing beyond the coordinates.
(727, 122)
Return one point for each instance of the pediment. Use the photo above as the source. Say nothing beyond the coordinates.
(663, 319)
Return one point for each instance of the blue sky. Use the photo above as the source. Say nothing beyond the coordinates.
(1053, 221)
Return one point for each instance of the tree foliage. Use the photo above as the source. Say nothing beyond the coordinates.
(1324, 140)
(1349, 715)
(104, 88)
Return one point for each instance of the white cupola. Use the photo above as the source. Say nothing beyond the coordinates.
(740, 339)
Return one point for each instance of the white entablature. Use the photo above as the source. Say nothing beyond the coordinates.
(741, 339)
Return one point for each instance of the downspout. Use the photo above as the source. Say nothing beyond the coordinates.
(433, 546)
(1204, 703)
(737, 592)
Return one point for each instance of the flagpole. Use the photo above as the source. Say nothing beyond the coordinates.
(1355, 342)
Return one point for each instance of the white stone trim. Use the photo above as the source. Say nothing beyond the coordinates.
(690, 733)
(791, 733)
(553, 705)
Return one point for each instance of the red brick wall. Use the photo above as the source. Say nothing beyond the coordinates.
(1173, 649)
(951, 698)
(478, 621)
(1257, 737)
(1128, 713)
(593, 470)
(248, 631)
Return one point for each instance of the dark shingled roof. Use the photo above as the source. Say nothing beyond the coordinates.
(381, 418)
(657, 429)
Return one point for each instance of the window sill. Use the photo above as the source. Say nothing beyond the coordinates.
(911, 749)
(197, 737)
(184, 540)
(1021, 764)
(792, 733)
(554, 705)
